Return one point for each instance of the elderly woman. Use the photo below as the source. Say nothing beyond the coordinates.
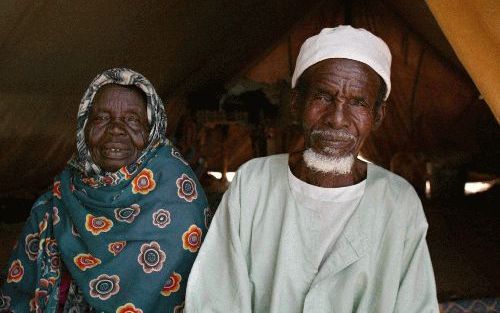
(121, 228)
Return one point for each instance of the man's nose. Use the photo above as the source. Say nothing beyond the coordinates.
(337, 114)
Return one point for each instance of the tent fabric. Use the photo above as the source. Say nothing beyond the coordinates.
(473, 29)
(434, 105)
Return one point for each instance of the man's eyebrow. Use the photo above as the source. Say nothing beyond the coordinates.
(319, 89)
(324, 88)
(322, 92)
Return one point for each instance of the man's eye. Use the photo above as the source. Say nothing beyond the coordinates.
(359, 101)
(323, 97)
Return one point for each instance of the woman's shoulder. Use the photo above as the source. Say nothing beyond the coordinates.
(43, 203)
(170, 159)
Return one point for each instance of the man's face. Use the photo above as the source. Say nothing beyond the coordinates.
(337, 106)
(117, 128)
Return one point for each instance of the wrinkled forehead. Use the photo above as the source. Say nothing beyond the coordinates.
(132, 90)
(359, 74)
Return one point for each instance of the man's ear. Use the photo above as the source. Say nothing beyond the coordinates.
(295, 104)
(379, 116)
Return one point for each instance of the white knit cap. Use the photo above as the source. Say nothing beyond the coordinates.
(348, 43)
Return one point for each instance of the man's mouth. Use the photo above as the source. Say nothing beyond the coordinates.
(333, 135)
(332, 142)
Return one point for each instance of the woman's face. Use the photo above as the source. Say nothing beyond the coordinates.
(117, 128)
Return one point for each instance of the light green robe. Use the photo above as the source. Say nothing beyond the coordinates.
(260, 254)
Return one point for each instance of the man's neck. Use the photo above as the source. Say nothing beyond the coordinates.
(327, 180)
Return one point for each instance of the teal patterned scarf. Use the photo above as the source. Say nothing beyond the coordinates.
(128, 239)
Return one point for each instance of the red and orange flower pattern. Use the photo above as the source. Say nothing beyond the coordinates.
(128, 308)
(90, 181)
(45, 283)
(55, 264)
(144, 182)
(42, 226)
(31, 243)
(191, 239)
(16, 272)
(52, 280)
(97, 225)
(39, 299)
(109, 180)
(85, 261)
(51, 246)
(116, 247)
(125, 172)
(56, 189)
(172, 285)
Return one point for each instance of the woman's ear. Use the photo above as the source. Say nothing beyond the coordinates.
(379, 116)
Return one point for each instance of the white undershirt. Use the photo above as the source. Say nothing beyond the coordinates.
(334, 205)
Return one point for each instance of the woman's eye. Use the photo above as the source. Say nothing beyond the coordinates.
(132, 119)
(101, 118)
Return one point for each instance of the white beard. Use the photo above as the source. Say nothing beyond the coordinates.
(328, 164)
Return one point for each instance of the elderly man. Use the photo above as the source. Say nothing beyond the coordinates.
(320, 230)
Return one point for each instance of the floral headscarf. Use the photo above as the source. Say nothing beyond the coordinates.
(155, 110)
(128, 239)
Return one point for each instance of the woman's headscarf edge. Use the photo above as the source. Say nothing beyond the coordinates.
(156, 115)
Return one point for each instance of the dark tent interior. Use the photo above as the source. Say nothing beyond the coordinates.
(224, 69)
